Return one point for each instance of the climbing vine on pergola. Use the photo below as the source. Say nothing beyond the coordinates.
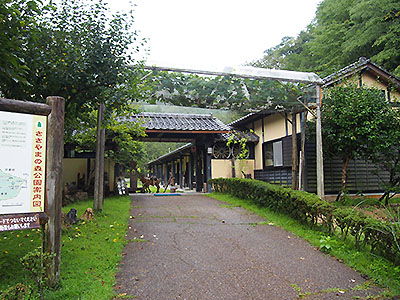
(220, 92)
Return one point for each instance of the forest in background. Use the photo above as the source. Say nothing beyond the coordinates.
(341, 32)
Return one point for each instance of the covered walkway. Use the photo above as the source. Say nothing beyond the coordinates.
(191, 164)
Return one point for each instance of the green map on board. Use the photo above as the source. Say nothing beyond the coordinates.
(10, 186)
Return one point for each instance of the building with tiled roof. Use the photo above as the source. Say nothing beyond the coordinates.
(207, 154)
(273, 153)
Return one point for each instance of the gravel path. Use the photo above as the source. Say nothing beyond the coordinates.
(194, 247)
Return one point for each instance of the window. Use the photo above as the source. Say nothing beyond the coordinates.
(273, 154)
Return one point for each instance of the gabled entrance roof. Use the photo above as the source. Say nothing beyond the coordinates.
(179, 127)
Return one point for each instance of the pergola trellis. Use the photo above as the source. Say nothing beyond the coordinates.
(269, 74)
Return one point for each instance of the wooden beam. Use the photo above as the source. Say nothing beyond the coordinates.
(55, 153)
(26, 107)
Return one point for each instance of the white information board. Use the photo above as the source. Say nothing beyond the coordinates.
(22, 162)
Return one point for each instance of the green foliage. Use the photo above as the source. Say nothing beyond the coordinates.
(17, 20)
(351, 118)
(309, 209)
(35, 263)
(90, 253)
(241, 143)
(155, 150)
(17, 292)
(79, 51)
(383, 149)
(326, 243)
(343, 31)
(220, 92)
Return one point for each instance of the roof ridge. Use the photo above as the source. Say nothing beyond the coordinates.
(362, 61)
(176, 114)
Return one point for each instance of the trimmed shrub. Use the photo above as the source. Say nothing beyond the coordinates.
(309, 208)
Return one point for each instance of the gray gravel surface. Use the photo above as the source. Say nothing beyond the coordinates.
(194, 247)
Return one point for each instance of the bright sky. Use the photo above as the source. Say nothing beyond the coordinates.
(215, 33)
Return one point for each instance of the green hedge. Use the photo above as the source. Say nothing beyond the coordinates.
(383, 238)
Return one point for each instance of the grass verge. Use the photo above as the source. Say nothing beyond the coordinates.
(90, 255)
(377, 268)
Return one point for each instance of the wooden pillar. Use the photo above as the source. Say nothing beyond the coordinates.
(233, 167)
(207, 171)
(294, 151)
(180, 172)
(302, 152)
(173, 172)
(320, 163)
(55, 152)
(99, 165)
(166, 178)
(190, 172)
(88, 173)
(199, 180)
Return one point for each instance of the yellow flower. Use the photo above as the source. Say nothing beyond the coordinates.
(5, 251)
(17, 235)
(115, 240)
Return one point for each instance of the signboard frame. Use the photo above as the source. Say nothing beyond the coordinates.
(35, 216)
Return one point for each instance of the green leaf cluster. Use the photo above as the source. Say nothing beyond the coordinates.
(342, 31)
(220, 92)
(17, 20)
(351, 116)
(79, 50)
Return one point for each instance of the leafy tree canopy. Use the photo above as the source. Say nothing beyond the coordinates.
(343, 31)
(17, 19)
(80, 51)
(352, 122)
(383, 149)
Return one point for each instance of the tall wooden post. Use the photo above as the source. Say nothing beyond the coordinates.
(190, 172)
(302, 151)
(198, 166)
(181, 172)
(320, 163)
(294, 151)
(55, 153)
(99, 164)
(207, 168)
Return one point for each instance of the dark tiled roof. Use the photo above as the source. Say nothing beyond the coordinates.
(172, 153)
(252, 117)
(188, 122)
(361, 64)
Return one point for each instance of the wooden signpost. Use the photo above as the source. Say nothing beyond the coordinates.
(32, 140)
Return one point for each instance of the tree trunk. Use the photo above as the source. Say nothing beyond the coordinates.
(345, 161)
(233, 167)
